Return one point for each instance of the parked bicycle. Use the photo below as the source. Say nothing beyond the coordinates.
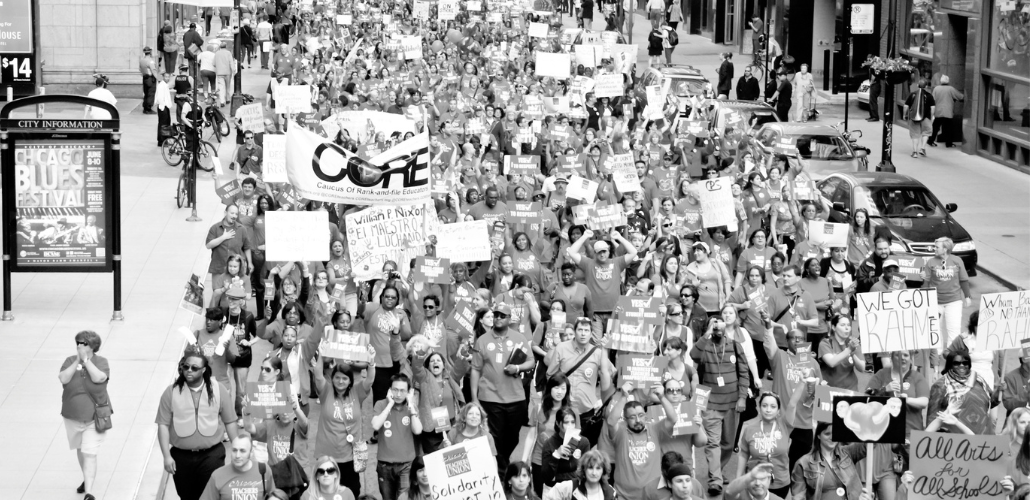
(177, 148)
(206, 158)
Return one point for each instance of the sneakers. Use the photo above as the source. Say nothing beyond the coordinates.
(871, 119)
(714, 490)
(915, 155)
(922, 152)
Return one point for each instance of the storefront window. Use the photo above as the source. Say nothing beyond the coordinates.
(1009, 39)
(922, 21)
(1008, 107)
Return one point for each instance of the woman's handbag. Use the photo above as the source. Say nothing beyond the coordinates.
(101, 412)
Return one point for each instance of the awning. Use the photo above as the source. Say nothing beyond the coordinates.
(204, 3)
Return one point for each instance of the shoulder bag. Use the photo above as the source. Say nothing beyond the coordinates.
(101, 412)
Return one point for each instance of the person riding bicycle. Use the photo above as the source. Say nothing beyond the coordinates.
(191, 117)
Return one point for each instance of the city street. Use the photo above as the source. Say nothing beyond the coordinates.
(161, 250)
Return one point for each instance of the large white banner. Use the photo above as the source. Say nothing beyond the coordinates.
(297, 236)
(463, 241)
(378, 234)
(321, 170)
(467, 470)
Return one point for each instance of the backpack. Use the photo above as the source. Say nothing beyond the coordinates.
(169, 43)
(674, 38)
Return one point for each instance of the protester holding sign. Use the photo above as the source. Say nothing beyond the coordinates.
(586, 367)
(561, 452)
(637, 454)
(280, 434)
(440, 396)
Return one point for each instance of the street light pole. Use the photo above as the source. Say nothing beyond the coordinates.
(887, 144)
(237, 53)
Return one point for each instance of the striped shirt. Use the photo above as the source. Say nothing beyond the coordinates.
(722, 362)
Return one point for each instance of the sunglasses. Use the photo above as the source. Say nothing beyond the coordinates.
(266, 369)
(676, 313)
(500, 315)
(190, 368)
(963, 363)
(429, 308)
(325, 472)
(674, 391)
(82, 342)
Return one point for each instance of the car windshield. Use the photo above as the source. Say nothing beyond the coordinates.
(759, 119)
(897, 202)
(686, 87)
(823, 147)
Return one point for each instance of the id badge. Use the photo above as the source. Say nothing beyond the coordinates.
(497, 358)
(720, 381)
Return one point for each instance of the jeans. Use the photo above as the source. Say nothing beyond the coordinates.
(951, 321)
(348, 478)
(194, 468)
(720, 426)
(170, 58)
(393, 479)
(149, 89)
(506, 420)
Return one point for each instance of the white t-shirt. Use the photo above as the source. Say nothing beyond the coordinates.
(103, 95)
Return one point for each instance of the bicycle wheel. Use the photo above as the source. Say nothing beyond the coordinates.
(182, 193)
(205, 157)
(171, 151)
(758, 70)
(221, 124)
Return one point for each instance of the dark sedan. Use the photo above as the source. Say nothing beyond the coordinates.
(903, 205)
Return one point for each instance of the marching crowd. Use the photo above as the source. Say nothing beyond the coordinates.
(755, 313)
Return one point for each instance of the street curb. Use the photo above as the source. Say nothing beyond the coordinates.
(1004, 281)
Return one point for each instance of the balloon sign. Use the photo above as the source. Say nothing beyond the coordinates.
(868, 419)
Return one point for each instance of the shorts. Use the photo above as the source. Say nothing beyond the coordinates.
(83, 436)
(920, 128)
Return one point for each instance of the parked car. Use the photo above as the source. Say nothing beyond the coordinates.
(911, 212)
(680, 83)
(723, 127)
(863, 94)
(824, 148)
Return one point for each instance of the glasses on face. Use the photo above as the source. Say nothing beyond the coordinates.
(963, 363)
(677, 313)
(674, 391)
(266, 369)
(82, 342)
(500, 315)
(249, 138)
(190, 368)
(389, 297)
(429, 307)
(325, 472)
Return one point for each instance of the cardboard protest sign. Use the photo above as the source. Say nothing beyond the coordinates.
(900, 320)
(193, 296)
(717, 204)
(824, 395)
(868, 419)
(297, 236)
(827, 234)
(521, 164)
(685, 412)
(465, 470)
(228, 191)
(274, 397)
(343, 20)
(588, 55)
(644, 371)
(421, 10)
(553, 64)
(446, 10)
(947, 466)
(624, 56)
(411, 45)
(381, 233)
(348, 346)
(1004, 320)
(253, 117)
(463, 241)
(273, 164)
(538, 30)
(431, 270)
(581, 188)
(608, 86)
(293, 99)
(463, 318)
(524, 212)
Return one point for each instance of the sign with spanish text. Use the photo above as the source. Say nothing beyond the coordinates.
(899, 320)
(464, 241)
(1004, 321)
(948, 466)
(379, 234)
(297, 236)
(252, 117)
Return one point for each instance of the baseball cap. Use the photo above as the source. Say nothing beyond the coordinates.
(703, 245)
(891, 262)
(600, 245)
(559, 178)
(502, 308)
(236, 291)
(147, 49)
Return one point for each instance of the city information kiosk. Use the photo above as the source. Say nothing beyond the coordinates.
(61, 194)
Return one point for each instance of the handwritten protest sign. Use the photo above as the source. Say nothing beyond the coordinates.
(381, 233)
(588, 55)
(947, 466)
(228, 191)
(868, 419)
(274, 161)
(644, 371)
(608, 86)
(900, 320)
(297, 236)
(421, 10)
(717, 205)
(253, 117)
(685, 412)
(1004, 321)
(343, 20)
(463, 241)
(465, 470)
(274, 397)
(193, 296)
(538, 30)
(553, 64)
(293, 99)
(581, 188)
(412, 47)
(447, 10)
(348, 346)
(824, 394)
(521, 164)
(431, 270)
(827, 234)
(623, 172)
